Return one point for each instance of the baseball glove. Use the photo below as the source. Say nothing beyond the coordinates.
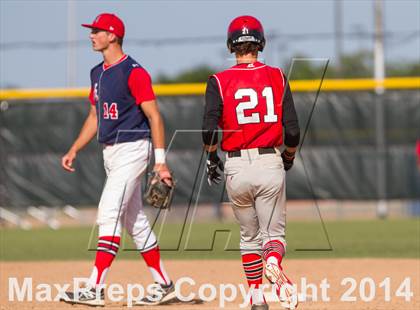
(159, 194)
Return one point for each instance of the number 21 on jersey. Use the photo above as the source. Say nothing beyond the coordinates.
(110, 112)
(254, 118)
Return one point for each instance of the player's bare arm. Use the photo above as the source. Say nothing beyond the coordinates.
(151, 110)
(86, 134)
(210, 148)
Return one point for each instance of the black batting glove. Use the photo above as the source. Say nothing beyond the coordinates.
(288, 159)
(214, 162)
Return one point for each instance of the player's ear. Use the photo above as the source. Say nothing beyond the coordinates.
(112, 37)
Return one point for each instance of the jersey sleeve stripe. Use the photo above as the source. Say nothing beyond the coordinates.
(220, 86)
(282, 77)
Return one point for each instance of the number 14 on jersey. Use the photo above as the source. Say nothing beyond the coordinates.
(110, 112)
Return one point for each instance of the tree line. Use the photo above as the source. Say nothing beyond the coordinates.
(355, 65)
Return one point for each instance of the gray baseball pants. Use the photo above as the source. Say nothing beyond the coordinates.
(256, 186)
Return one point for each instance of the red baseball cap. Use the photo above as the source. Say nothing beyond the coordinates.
(108, 22)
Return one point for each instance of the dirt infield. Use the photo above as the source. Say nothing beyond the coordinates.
(217, 272)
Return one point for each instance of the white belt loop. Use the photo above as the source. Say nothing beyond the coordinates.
(250, 154)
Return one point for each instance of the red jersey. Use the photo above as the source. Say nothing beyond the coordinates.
(252, 106)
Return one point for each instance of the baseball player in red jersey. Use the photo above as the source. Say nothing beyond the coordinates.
(253, 105)
(125, 117)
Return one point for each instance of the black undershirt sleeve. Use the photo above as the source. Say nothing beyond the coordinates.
(290, 120)
(213, 109)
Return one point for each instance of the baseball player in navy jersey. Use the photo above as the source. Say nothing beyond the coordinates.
(253, 105)
(125, 116)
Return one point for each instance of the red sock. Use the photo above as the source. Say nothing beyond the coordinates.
(253, 267)
(106, 251)
(274, 248)
(153, 261)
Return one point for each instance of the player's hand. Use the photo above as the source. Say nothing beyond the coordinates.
(67, 161)
(213, 163)
(164, 173)
(288, 159)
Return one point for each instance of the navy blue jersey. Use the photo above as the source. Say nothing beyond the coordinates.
(120, 119)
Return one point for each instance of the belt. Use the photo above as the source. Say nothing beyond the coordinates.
(261, 151)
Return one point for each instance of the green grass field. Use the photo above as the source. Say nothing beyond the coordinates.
(378, 238)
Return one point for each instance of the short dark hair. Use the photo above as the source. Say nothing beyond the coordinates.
(245, 48)
(120, 41)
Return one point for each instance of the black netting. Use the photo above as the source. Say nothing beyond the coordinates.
(338, 159)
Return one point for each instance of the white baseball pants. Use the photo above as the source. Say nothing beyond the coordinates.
(121, 201)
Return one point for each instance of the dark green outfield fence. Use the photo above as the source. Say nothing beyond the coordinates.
(338, 159)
